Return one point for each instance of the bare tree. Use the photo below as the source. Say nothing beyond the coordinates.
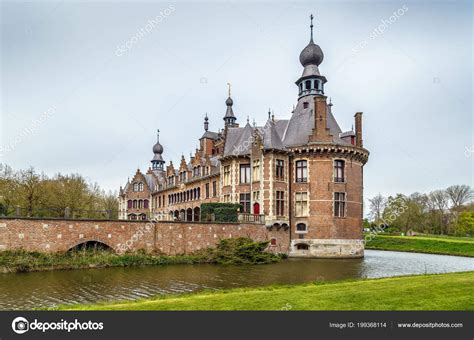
(377, 206)
(459, 194)
(440, 200)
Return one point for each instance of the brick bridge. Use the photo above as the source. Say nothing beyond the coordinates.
(55, 235)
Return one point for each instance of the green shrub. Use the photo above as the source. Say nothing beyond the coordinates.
(241, 250)
(223, 212)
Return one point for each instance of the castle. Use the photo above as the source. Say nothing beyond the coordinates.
(302, 174)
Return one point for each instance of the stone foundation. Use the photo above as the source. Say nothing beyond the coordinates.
(326, 248)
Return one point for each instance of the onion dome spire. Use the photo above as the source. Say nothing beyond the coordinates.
(311, 81)
(229, 117)
(157, 161)
(206, 123)
(312, 53)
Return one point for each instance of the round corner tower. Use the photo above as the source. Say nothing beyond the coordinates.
(326, 183)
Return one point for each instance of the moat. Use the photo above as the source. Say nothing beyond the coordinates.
(46, 289)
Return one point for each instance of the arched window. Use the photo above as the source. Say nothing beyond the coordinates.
(135, 204)
(145, 204)
(197, 214)
(129, 204)
(189, 214)
(140, 204)
(307, 84)
(140, 186)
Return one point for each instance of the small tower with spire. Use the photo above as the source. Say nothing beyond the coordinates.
(157, 163)
(311, 81)
(229, 117)
(206, 123)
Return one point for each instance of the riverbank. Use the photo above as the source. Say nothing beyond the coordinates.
(452, 291)
(228, 251)
(443, 245)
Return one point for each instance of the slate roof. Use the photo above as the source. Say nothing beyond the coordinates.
(271, 138)
(211, 135)
(301, 124)
(282, 134)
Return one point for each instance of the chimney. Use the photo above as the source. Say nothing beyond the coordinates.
(320, 131)
(358, 129)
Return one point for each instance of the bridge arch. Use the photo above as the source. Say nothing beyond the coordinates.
(90, 244)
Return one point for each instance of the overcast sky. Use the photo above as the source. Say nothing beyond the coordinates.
(85, 85)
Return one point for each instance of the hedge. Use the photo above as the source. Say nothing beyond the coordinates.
(222, 212)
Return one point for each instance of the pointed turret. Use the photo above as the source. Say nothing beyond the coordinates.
(229, 117)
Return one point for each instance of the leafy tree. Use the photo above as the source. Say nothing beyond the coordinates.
(465, 224)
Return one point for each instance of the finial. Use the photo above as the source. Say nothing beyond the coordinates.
(248, 119)
(311, 17)
(273, 116)
(269, 113)
(206, 123)
(330, 101)
(158, 135)
(228, 84)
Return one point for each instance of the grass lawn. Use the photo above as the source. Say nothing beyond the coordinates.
(453, 291)
(431, 244)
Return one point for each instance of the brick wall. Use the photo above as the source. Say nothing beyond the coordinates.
(170, 238)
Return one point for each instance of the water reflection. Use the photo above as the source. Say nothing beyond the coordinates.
(30, 290)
